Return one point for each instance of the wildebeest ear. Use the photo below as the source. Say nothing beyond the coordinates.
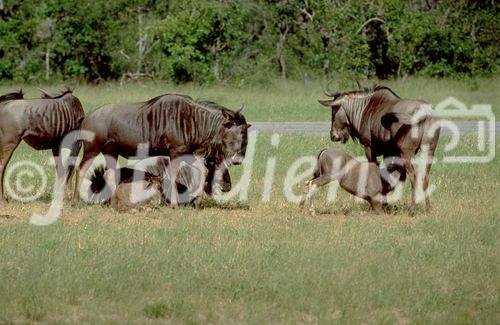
(327, 103)
(249, 125)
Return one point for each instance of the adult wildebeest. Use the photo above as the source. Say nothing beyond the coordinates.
(171, 125)
(386, 125)
(42, 123)
(216, 181)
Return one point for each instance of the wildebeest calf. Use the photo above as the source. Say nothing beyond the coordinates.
(362, 179)
(148, 181)
(131, 195)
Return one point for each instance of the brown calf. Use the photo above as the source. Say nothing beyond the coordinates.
(362, 179)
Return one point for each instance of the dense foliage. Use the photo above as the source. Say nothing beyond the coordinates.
(245, 41)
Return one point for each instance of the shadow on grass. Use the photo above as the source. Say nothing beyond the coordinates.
(389, 209)
(205, 204)
(211, 203)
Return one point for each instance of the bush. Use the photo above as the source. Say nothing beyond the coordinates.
(236, 41)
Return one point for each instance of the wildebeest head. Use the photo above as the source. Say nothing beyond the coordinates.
(341, 127)
(235, 137)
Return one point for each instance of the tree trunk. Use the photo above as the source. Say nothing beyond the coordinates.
(47, 63)
(141, 43)
(326, 39)
(280, 49)
(215, 50)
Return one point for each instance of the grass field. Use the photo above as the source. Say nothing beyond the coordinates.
(290, 101)
(255, 262)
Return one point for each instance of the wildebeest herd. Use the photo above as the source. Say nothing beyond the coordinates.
(185, 146)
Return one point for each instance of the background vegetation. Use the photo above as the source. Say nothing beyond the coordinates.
(243, 42)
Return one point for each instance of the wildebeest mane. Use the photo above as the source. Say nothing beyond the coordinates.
(380, 87)
(367, 91)
(65, 91)
(236, 117)
(12, 96)
(157, 98)
(152, 113)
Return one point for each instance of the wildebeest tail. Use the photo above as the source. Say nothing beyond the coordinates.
(317, 170)
(98, 192)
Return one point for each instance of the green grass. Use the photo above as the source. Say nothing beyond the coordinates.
(290, 101)
(262, 262)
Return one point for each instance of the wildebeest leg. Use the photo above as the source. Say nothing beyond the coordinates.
(370, 155)
(88, 158)
(309, 192)
(58, 162)
(174, 172)
(312, 187)
(60, 179)
(428, 154)
(426, 186)
(376, 205)
(69, 168)
(6, 150)
(111, 161)
(303, 199)
(413, 180)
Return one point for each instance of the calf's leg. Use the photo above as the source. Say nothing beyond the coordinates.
(312, 187)
(376, 205)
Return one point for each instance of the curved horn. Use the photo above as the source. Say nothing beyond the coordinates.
(359, 84)
(240, 109)
(44, 93)
(330, 94)
(326, 92)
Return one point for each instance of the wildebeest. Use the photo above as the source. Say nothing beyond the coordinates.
(42, 123)
(131, 195)
(362, 179)
(216, 181)
(191, 180)
(386, 125)
(171, 125)
(98, 192)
